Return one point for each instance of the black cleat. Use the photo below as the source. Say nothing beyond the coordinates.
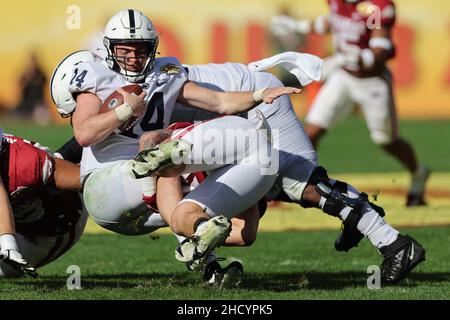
(347, 239)
(400, 257)
(223, 278)
(415, 200)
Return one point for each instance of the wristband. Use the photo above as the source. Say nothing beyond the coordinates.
(258, 95)
(123, 112)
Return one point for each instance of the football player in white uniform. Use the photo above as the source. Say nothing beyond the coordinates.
(298, 164)
(131, 213)
(300, 178)
(131, 42)
(347, 203)
(357, 74)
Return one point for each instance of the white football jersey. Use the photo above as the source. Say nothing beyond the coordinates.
(232, 76)
(162, 86)
(223, 77)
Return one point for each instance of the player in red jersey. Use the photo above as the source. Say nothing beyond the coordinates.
(357, 74)
(38, 220)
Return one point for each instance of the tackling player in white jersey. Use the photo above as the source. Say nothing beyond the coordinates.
(298, 168)
(300, 178)
(357, 74)
(348, 204)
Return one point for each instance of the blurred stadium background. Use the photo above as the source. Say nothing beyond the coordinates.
(202, 31)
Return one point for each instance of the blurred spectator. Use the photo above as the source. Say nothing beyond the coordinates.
(32, 84)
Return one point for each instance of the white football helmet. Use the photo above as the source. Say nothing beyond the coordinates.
(60, 81)
(130, 26)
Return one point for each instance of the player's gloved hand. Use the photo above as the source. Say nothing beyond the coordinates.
(136, 102)
(282, 26)
(330, 65)
(16, 261)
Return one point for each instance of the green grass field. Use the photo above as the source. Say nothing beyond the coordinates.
(297, 262)
(281, 265)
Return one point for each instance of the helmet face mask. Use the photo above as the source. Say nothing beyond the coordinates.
(133, 66)
(133, 30)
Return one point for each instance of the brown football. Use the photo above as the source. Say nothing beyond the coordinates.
(115, 99)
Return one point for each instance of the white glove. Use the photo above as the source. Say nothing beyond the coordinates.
(334, 62)
(331, 64)
(17, 262)
(282, 25)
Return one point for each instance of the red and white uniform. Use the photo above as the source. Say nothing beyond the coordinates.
(352, 24)
(48, 222)
(347, 87)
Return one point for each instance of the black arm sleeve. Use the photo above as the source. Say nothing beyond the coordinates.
(71, 151)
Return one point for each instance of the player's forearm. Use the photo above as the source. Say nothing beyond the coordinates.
(216, 101)
(67, 175)
(91, 130)
(235, 102)
(230, 102)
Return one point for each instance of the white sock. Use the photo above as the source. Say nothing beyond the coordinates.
(148, 185)
(371, 224)
(179, 238)
(374, 227)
